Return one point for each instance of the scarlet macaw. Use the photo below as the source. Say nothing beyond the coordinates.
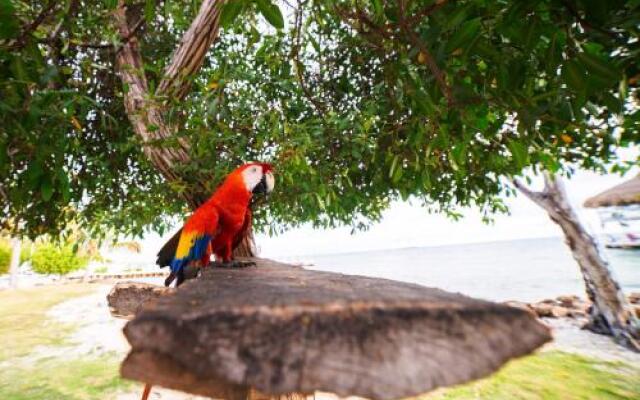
(218, 225)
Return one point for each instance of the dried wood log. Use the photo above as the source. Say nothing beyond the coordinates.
(281, 329)
(610, 312)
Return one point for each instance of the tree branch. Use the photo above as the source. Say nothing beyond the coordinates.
(425, 12)
(431, 62)
(540, 198)
(133, 31)
(610, 312)
(295, 55)
(188, 57)
(147, 115)
(141, 111)
(586, 25)
(433, 66)
(405, 25)
(71, 11)
(22, 39)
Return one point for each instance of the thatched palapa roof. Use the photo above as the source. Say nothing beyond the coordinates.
(624, 194)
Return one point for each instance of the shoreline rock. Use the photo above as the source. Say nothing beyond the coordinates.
(570, 306)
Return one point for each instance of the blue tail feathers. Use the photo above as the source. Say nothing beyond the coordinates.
(196, 253)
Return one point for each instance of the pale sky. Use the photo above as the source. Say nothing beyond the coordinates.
(406, 225)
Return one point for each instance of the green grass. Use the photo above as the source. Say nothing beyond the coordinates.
(73, 379)
(24, 323)
(549, 376)
(24, 326)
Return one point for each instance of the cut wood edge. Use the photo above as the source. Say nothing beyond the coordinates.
(126, 299)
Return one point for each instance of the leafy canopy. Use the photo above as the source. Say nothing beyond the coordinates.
(357, 104)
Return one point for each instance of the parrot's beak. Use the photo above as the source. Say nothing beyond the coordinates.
(270, 181)
(266, 184)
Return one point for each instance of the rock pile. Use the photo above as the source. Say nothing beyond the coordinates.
(566, 306)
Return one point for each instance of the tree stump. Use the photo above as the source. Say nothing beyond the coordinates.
(280, 329)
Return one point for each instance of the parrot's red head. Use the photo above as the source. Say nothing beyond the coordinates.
(256, 177)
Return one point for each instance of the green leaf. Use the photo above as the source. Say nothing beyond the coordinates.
(271, 13)
(425, 105)
(456, 17)
(3, 153)
(149, 10)
(320, 201)
(19, 69)
(601, 68)
(520, 153)
(378, 8)
(9, 26)
(397, 174)
(46, 189)
(459, 155)
(33, 174)
(574, 75)
(230, 12)
(394, 163)
(314, 43)
(65, 185)
(464, 36)
(613, 103)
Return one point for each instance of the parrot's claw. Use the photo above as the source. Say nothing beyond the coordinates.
(232, 264)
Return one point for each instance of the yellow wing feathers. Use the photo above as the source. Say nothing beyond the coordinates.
(186, 243)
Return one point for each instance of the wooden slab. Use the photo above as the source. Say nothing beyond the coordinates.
(281, 329)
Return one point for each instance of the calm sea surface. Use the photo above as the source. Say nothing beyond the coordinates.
(527, 270)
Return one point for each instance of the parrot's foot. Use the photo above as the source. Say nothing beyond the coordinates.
(232, 264)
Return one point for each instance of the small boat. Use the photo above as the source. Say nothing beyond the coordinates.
(619, 212)
(621, 227)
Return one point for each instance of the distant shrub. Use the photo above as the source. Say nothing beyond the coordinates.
(5, 257)
(101, 269)
(25, 251)
(48, 258)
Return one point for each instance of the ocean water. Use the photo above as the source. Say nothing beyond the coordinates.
(525, 270)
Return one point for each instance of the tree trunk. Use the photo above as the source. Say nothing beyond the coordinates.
(610, 312)
(246, 248)
(147, 109)
(15, 263)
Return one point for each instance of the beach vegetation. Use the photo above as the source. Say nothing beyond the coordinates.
(49, 258)
(5, 257)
